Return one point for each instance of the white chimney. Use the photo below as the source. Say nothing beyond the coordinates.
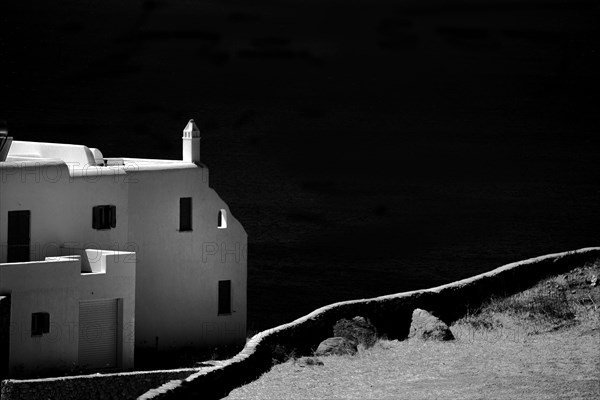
(5, 142)
(191, 142)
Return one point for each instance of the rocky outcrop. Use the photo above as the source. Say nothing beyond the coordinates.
(336, 346)
(358, 330)
(426, 326)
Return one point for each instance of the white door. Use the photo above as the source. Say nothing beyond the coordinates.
(98, 334)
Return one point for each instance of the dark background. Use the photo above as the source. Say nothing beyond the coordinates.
(368, 147)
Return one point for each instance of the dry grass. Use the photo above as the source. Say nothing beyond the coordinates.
(535, 345)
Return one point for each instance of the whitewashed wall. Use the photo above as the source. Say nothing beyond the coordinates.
(56, 286)
(179, 271)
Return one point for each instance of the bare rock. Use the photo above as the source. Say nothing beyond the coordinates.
(359, 330)
(309, 362)
(426, 326)
(336, 346)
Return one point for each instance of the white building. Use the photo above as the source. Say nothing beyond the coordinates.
(187, 250)
(69, 314)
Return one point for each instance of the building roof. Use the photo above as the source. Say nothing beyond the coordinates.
(81, 160)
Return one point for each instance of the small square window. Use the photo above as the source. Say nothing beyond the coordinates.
(40, 323)
(185, 214)
(224, 297)
(104, 217)
(222, 223)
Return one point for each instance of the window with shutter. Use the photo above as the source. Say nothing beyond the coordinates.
(40, 323)
(104, 217)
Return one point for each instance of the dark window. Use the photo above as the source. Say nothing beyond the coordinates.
(222, 223)
(18, 236)
(104, 217)
(40, 323)
(185, 214)
(224, 297)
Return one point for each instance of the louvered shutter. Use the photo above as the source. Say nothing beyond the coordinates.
(113, 216)
(97, 217)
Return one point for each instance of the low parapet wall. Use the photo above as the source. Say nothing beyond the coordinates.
(390, 314)
(125, 385)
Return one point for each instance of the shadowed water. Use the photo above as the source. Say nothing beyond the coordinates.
(367, 147)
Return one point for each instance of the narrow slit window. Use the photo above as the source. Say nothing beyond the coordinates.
(185, 214)
(224, 297)
(222, 223)
(40, 323)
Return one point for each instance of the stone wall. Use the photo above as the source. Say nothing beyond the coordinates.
(391, 315)
(4, 334)
(126, 385)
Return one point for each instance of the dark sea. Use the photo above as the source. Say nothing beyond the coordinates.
(368, 147)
